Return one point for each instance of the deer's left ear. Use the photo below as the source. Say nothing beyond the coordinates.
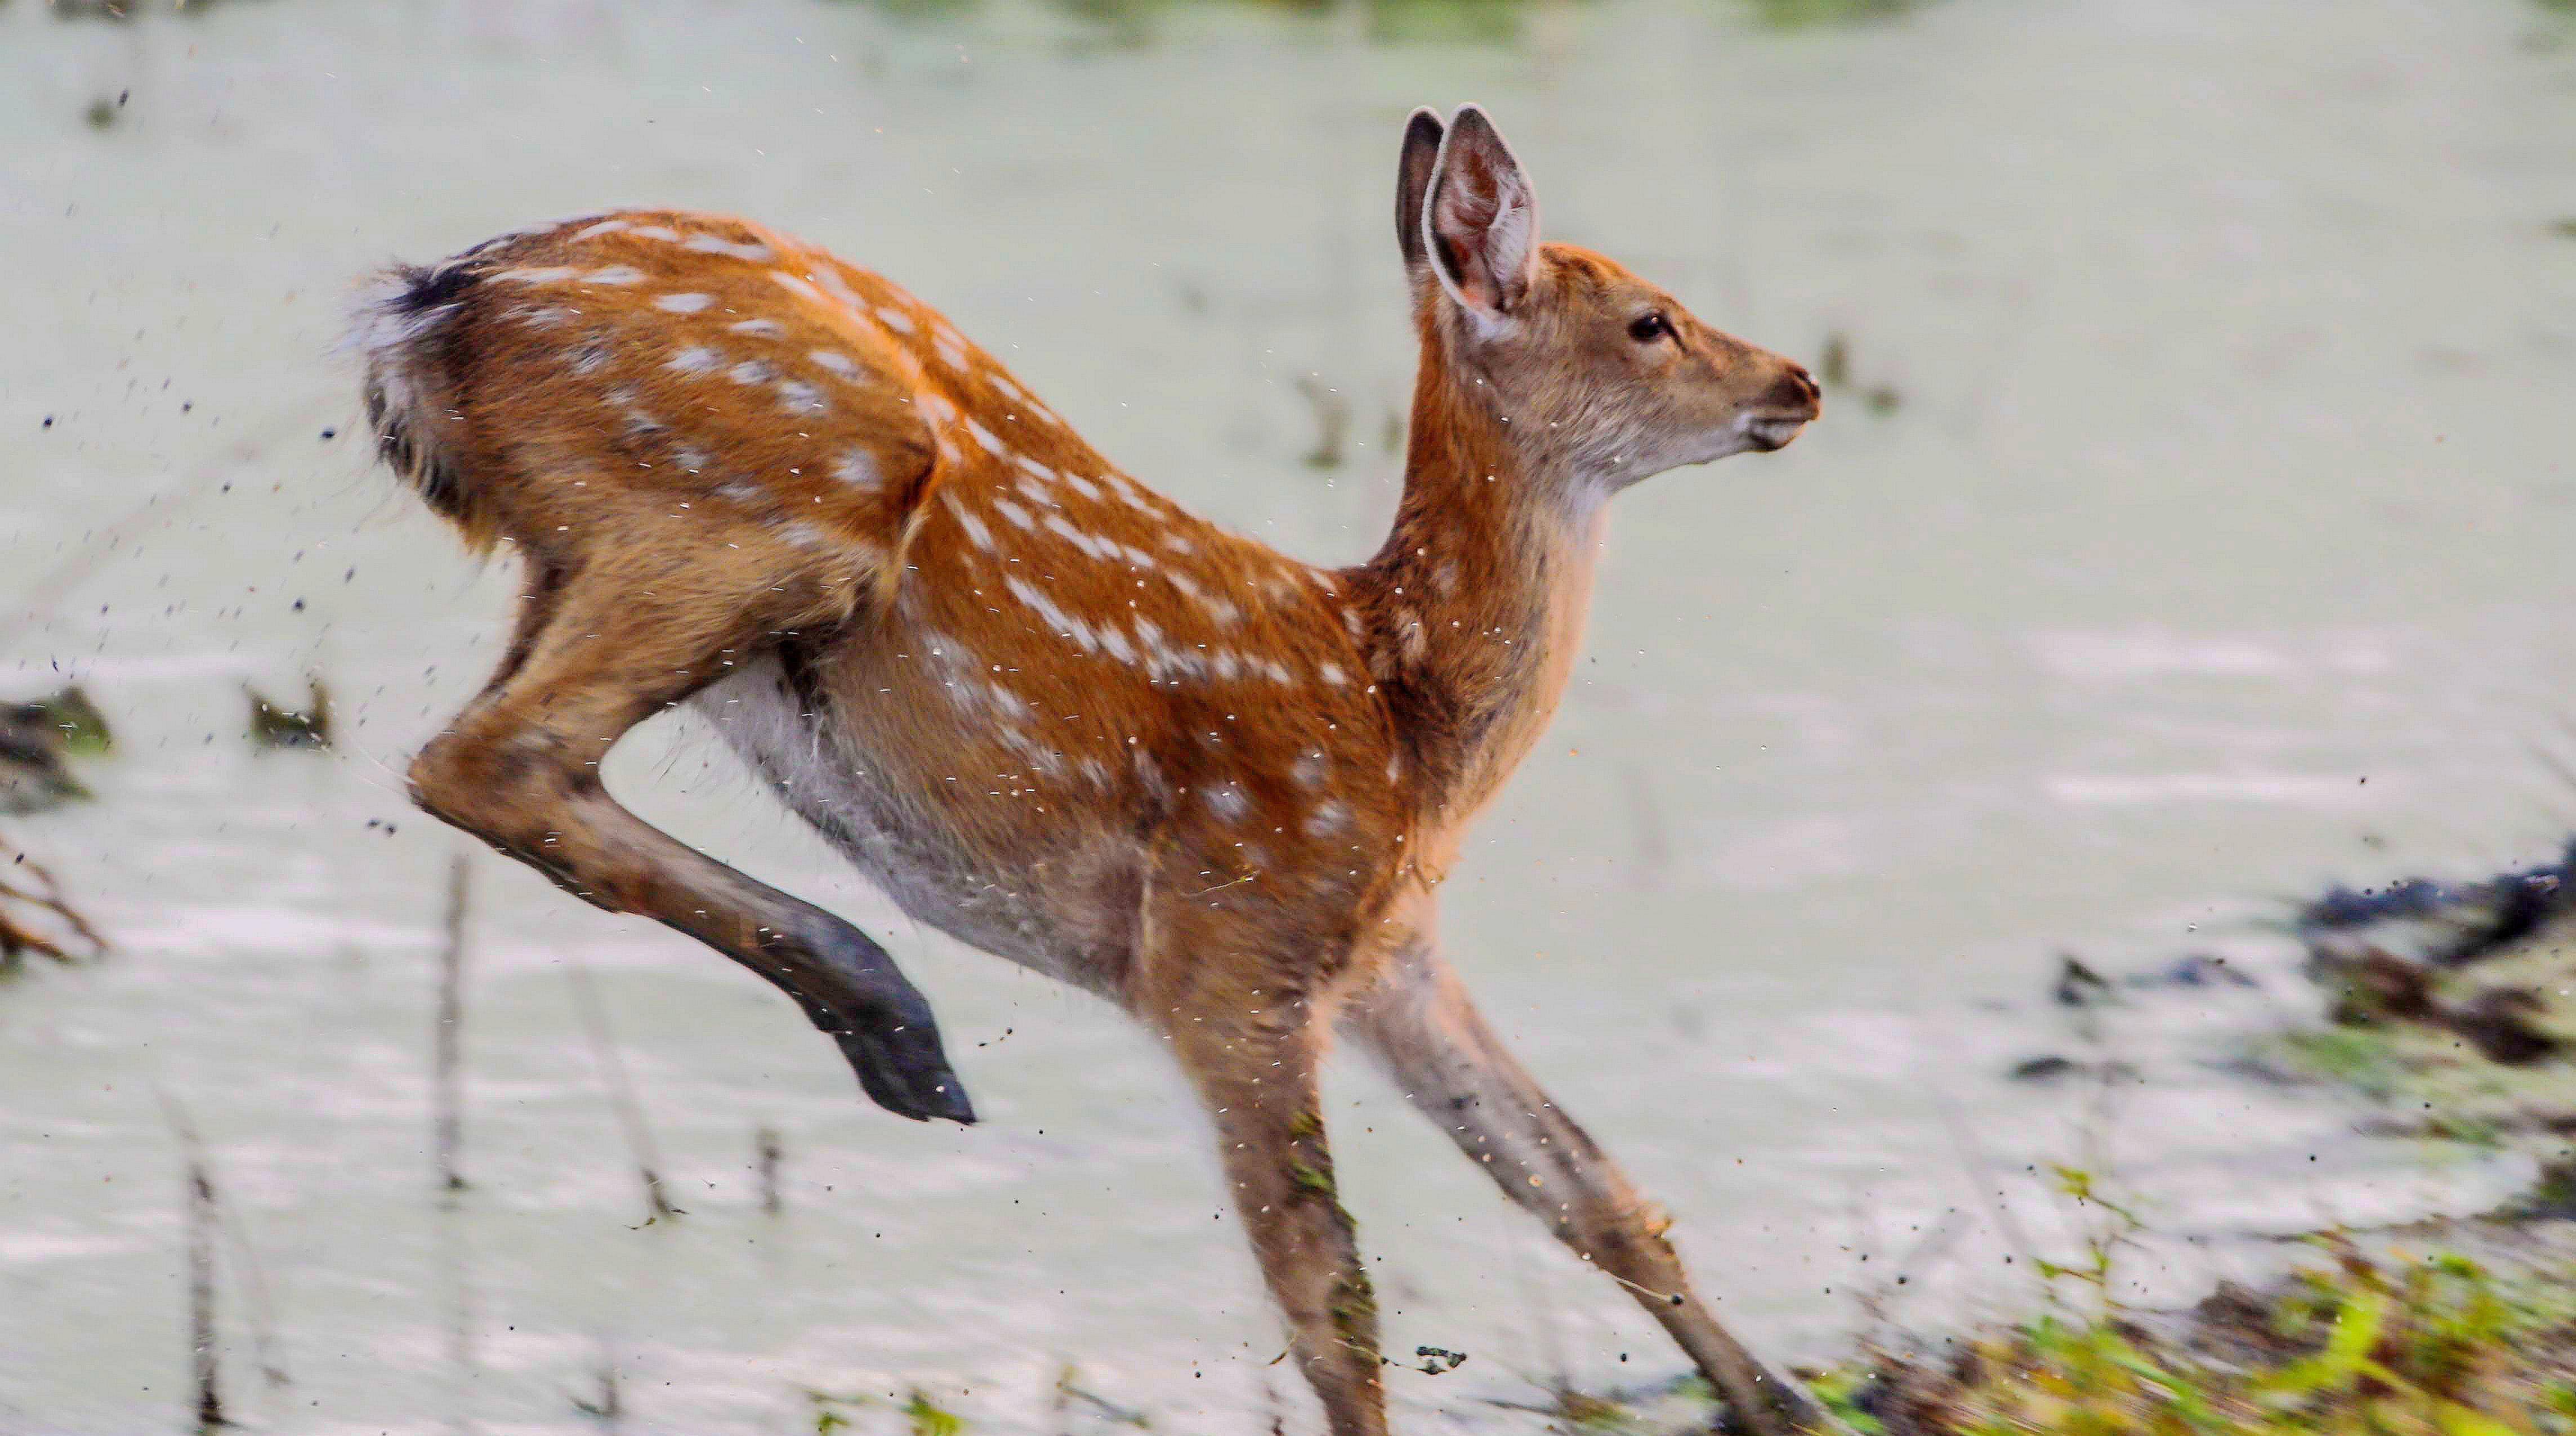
(1481, 221)
(1412, 185)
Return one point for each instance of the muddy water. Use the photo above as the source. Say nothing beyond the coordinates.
(2215, 544)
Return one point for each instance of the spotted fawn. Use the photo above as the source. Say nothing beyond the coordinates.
(1045, 709)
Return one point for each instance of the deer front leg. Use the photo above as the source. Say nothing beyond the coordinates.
(1253, 1061)
(1424, 1030)
(519, 768)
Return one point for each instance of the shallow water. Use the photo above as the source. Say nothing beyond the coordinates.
(2215, 547)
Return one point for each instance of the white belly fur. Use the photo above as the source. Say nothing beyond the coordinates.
(893, 840)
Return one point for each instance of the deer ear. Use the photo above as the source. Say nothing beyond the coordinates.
(1480, 222)
(1413, 186)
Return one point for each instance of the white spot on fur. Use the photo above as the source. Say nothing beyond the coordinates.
(605, 226)
(545, 274)
(696, 359)
(977, 533)
(894, 319)
(1056, 619)
(683, 303)
(1133, 496)
(662, 232)
(752, 371)
(1091, 547)
(807, 535)
(1332, 674)
(1227, 800)
(950, 355)
(639, 423)
(796, 286)
(710, 244)
(1329, 817)
(1009, 704)
(1408, 632)
(836, 361)
(858, 469)
(992, 442)
(836, 286)
(798, 397)
(1016, 514)
(615, 274)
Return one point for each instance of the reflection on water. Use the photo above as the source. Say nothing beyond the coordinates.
(2209, 541)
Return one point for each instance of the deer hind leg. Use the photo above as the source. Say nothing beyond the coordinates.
(1253, 1057)
(1424, 1030)
(601, 647)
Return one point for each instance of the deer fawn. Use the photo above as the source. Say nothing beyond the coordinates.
(1047, 711)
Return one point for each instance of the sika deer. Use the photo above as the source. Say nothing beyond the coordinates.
(1049, 712)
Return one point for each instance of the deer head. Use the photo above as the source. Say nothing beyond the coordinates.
(1599, 378)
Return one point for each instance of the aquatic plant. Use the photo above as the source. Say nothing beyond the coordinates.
(2394, 1342)
(1804, 14)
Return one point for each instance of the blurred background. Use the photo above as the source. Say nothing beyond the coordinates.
(2188, 528)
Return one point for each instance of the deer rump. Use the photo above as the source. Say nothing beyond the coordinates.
(655, 390)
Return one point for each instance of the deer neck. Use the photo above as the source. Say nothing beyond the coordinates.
(1477, 600)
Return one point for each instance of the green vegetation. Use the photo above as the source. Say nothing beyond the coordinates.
(2390, 1343)
(920, 1415)
(1806, 14)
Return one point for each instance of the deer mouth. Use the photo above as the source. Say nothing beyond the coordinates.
(1768, 432)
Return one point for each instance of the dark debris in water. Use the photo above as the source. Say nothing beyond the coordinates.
(2450, 1001)
(35, 917)
(36, 741)
(1834, 370)
(2441, 923)
(2077, 984)
(274, 725)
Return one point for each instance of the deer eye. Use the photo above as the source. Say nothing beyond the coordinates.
(1648, 327)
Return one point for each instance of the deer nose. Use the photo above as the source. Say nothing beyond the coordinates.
(1795, 389)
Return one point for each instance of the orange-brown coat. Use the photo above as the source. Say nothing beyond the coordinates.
(1048, 711)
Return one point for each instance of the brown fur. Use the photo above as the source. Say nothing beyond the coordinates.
(1071, 721)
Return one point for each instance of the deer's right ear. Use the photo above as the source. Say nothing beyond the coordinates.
(1481, 222)
(1413, 188)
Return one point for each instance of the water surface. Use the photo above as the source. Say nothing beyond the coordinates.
(2215, 546)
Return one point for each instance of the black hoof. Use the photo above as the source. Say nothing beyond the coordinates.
(852, 990)
(904, 1070)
